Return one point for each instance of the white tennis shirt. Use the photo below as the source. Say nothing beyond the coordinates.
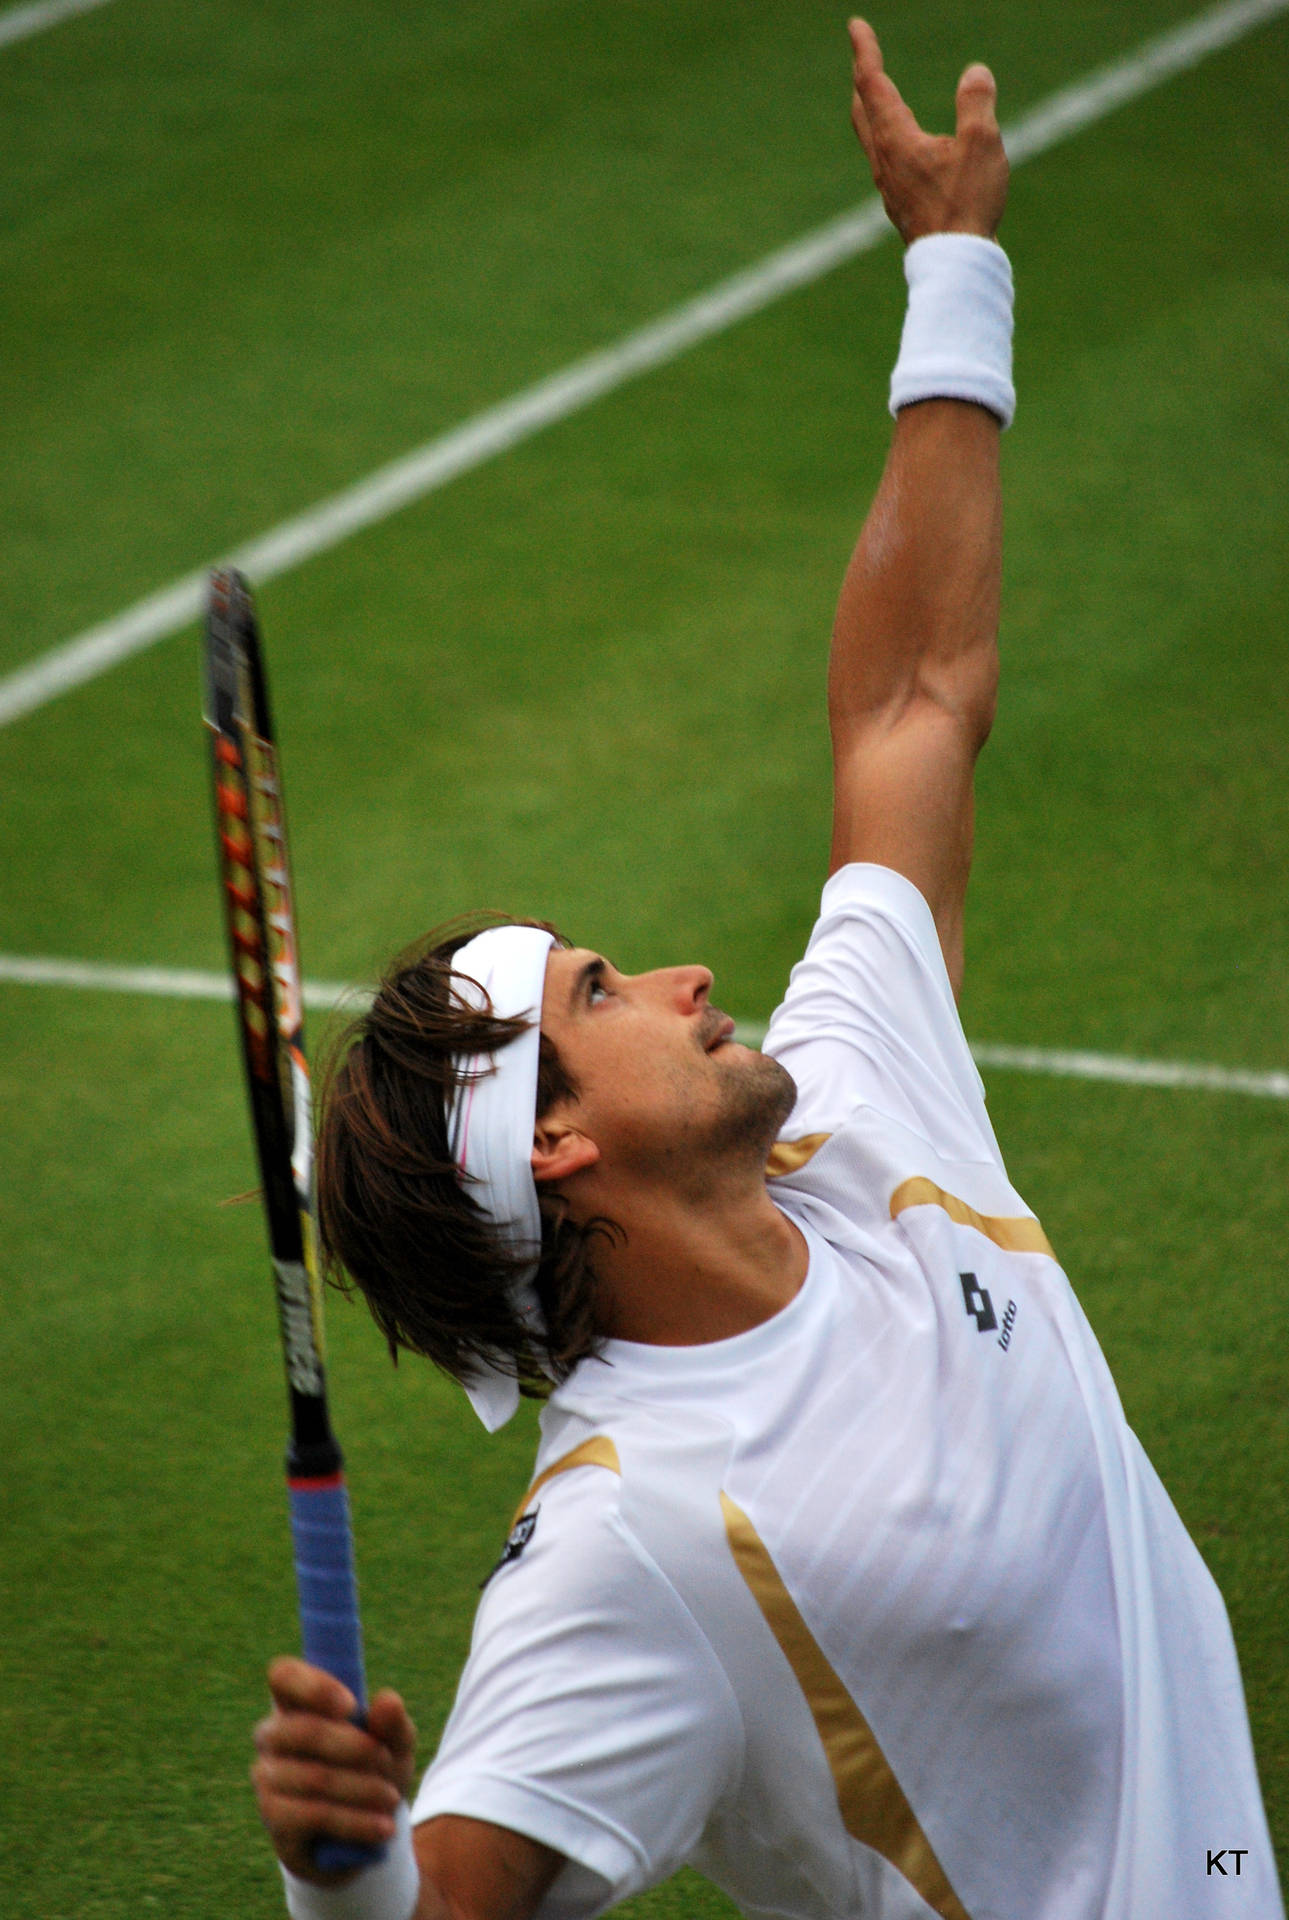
(877, 1609)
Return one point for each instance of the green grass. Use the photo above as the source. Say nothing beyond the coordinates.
(250, 252)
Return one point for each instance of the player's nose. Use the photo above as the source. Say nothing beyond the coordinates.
(690, 987)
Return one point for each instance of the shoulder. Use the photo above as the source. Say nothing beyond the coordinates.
(862, 893)
(575, 1573)
(873, 951)
(592, 1714)
(566, 1532)
(869, 1022)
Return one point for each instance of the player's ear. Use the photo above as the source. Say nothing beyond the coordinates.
(559, 1150)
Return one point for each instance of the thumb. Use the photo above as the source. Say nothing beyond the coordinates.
(977, 100)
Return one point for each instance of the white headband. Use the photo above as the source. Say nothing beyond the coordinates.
(490, 1122)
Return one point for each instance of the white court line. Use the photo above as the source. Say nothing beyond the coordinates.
(167, 983)
(1137, 1073)
(19, 23)
(186, 983)
(498, 428)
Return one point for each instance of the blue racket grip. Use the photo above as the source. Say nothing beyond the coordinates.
(329, 1624)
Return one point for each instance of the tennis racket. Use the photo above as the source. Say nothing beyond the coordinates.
(255, 884)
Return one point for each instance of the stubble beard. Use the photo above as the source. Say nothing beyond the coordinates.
(758, 1100)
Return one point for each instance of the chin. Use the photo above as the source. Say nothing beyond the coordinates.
(760, 1098)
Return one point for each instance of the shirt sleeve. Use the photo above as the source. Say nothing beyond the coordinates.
(869, 1020)
(592, 1714)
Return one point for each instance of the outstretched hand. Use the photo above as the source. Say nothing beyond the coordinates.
(319, 1775)
(929, 183)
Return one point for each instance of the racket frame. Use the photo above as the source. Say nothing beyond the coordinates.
(255, 885)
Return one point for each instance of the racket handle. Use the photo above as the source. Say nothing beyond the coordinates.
(329, 1624)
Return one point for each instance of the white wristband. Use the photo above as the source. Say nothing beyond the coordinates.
(387, 1891)
(957, 340)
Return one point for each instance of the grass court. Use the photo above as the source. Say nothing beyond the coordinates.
(250, 252)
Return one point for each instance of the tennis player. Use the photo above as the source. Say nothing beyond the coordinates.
(841, 1576)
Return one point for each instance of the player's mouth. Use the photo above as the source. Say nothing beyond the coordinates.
(718, 1029)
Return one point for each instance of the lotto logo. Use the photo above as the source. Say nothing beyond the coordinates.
(978, 1303)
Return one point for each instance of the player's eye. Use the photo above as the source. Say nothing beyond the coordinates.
(596, 992)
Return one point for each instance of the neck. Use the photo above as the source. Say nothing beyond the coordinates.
(689, 1270)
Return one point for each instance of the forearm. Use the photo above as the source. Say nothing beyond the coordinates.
(913, 669)
(918, 612)
(448, 1868)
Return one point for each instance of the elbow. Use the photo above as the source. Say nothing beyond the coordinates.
(966, 690)
(984, 702)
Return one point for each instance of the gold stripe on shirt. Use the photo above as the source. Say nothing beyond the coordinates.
(872, 1803)
(1018, 1235)
(786, 1156)
(598, 1451)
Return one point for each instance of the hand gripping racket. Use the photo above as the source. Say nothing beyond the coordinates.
(256, 888)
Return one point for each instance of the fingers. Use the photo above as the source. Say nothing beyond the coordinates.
(867, 52)
(867, 61)
(318, 1772)
(878, 112)
(929, 184)
(301, 1805)
(318, 1790)
(879, 106)
(311, 1721)
(336, 1743)
(296, 1686)
(308, 1786)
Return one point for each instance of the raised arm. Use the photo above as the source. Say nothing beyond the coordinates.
(913, 667)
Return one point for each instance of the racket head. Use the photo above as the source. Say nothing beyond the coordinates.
(256, 889)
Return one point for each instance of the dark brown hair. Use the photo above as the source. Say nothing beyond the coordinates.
(395, 1219)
